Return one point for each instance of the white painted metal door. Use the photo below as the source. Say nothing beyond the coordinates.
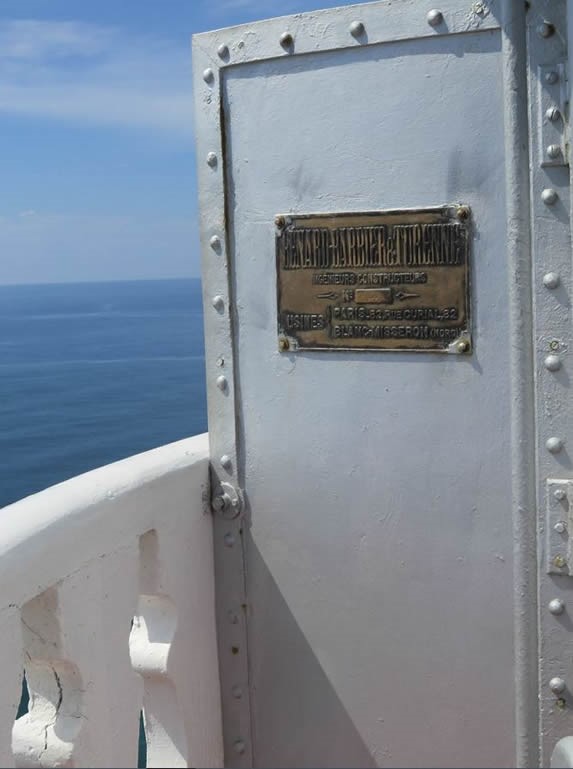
(370, 589)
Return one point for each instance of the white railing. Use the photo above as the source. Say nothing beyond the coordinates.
(107, 602)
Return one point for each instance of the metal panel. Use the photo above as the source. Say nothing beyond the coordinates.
(378, 506)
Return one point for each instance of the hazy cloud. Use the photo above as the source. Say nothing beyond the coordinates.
(90, 73)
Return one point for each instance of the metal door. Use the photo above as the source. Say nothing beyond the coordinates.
(375, 523)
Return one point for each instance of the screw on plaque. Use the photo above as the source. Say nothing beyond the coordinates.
(463, 213)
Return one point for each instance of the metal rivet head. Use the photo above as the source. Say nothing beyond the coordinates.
(552, 362)
(356, 28)
(237, 692)
(239, 746)
(557, 685)
(553, 151)
(434, 17)
(218, 302)
(556, 606)
(226, 461)
(549, 196)
(228, 539)
(223, 51)
(560, 562)
(554, 444)
(222, 382)
(208, 75)
(215, 243)
(559, 495)
(286, 40)
(551, 280)
(551, 77)
(545, 29)
(560, 527)
(552, 114)
(212, 159)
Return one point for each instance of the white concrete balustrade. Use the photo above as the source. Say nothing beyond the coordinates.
(107, 602)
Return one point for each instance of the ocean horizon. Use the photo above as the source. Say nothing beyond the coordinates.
(91, 373)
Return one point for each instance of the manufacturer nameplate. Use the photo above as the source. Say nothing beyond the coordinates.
(386, 280)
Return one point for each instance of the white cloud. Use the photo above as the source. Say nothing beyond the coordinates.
(89, 73)
(48, 248)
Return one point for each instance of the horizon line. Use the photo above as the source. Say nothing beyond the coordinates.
(84, 282)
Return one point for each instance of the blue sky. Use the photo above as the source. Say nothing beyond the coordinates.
(97, 175)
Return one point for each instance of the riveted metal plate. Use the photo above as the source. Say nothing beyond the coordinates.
(388, 280)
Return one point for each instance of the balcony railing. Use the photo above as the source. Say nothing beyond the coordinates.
(107, 604)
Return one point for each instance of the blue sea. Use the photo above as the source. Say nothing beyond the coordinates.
(93, 372)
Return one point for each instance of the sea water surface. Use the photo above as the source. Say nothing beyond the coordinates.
(94, 372)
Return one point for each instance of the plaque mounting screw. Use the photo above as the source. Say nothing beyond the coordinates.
(280, 222)
(462, 346)
(545, 29)
(553, 362)
(549, 196)
(463, 213)
(551, 280)
(556, 606)
(212, 159)
(223, 51)
(284, 344)
(208, 75)
(553, 151)
(557, 685)
(286, 40)
(559, 561)
(434, 17)
(554, 445)
(356, 28)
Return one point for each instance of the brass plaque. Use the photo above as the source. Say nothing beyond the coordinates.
(386, 280)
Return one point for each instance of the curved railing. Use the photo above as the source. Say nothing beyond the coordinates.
(107, 603)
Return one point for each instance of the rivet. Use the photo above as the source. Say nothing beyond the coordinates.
(553, 151)
(222, 382)
(223, 51)
(549, 196)
(551, 280)
(226, 461)
(284, 344)
(554, 444)
(560, 562)
(554, 344)
(559, 495)
(552, 114)
(286, 40)
(239, 746)
(463, 213)
(557, 685)
(229, 539)
(551, 77)
(215, 243)
(208, 75)
(462, 346)
(356, 28)
(434, 17)
(545, 29)
(212, 159)
(218, 302)
(552, 362)
(560, 527)
(556, 606)
(237, 692)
